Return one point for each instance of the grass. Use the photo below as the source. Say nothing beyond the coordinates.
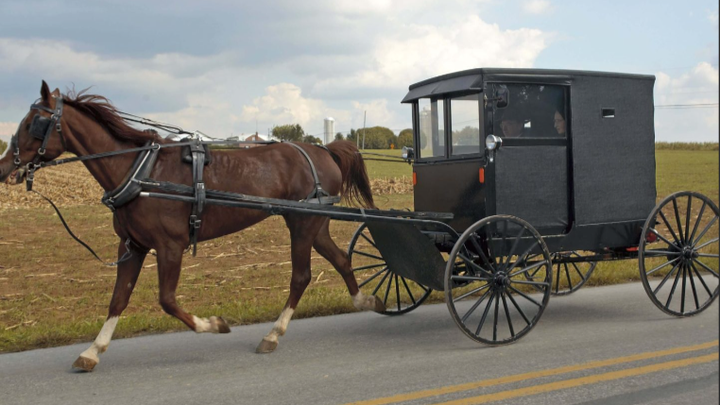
(53, 293)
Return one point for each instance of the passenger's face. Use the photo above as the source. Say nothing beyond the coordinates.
(511, 128)
(559, 124)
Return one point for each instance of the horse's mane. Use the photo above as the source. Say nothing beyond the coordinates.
(104, 113)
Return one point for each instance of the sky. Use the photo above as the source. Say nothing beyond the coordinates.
(236, 67)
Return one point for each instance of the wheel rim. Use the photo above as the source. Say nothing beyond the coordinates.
(678, 255)
(399, 294)
(490, 292)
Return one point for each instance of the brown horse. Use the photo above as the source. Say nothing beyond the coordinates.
(89, 124)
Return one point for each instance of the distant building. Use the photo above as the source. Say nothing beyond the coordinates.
(329, 133)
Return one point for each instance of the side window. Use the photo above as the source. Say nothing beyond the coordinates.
(465, 125)
(432, 128)
(533, 111)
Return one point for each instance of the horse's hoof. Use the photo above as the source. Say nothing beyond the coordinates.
(84, 364)
(266, 346)
(222, 326)
(379, 306)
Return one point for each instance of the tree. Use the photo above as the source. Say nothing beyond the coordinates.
(376, 137)
(405, 138)
(339, 136)
(3, 145)
(311, 139)
(289, 133)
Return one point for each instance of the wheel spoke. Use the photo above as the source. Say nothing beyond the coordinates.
(671, 244)
(371, 266)
(369, 241)
(667, 223)
(567, 273)
(523, 256)
(660, 253)
(387, 290)
(682, 293)
(706, 243)
(470, 263)
(487, 309)
(515, 245)
(697, 273)
(661, 266)
(515, 304)
(666, 278)
(469, 278)
(672, 290)
(397, 292)
(504, 241)
(475, 305)
(530, 282)
(377, 287)
(520, 293)
(507, 315)
(697, 222)
(526, 269)
(706, 268)
(372, 278)
(687, 219)
(467, 294)
(495, 319)
(708, 255)
(408, 291)
(582, 276)
(368, 255)
(480, 251)
(707, 228)
(557, 279)
(677, 220)
(692, 285)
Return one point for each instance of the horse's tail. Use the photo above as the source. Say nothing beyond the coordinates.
(355, 182)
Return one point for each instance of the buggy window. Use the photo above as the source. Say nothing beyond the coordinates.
(533, 111)
(465, 125)
(432, 128)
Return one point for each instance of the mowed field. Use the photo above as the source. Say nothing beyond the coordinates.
(52, 291)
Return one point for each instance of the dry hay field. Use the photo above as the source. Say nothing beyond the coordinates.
(52, 291)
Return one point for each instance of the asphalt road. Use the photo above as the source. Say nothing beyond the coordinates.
(417, 358)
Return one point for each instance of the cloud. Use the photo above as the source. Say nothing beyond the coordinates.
(536, 6)
(690, 124)
(7, 129)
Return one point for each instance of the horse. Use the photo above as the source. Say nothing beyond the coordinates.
(89, 124)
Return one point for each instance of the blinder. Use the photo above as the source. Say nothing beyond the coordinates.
(39, 127)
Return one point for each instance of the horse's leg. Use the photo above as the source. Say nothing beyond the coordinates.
(127, 275)
(340, 260)
(169, 262)
(302, 234)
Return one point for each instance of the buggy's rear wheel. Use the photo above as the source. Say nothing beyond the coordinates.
(678, 254)
(568, 275)
(399, 294)
(488, 287)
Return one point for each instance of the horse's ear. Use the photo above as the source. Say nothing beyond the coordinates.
(45, 91)
(56, 93)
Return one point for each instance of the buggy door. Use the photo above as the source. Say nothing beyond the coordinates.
(531, 168)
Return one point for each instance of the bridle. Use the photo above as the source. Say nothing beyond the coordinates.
(40, 128)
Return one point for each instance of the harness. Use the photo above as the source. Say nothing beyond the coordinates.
(132, 185)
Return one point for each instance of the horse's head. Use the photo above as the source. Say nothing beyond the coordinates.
(38, 137)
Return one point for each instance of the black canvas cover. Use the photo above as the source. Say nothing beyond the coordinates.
(531, 183)
(613, 148)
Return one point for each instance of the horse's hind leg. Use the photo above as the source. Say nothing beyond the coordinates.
(169, 261)
(127, 275)
(340, 260)
(302, 234)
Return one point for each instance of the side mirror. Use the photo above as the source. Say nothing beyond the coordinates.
(502, 96)
(408, 154)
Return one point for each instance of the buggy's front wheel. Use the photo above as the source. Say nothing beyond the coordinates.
(678, 254)
(489, 289)
(399, 294)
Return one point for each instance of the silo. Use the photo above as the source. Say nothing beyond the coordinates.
(329, 130)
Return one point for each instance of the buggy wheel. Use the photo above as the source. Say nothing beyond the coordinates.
(399, 294)
(568, 277)
(488, 290)
(678, 254)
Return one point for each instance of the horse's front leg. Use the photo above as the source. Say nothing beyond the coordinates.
(169, 261)
(127, 275)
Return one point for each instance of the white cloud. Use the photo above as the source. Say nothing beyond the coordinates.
(7, 129)
(536, 6)
(690, 124)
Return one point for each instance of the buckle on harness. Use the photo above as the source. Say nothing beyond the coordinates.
(195, 222)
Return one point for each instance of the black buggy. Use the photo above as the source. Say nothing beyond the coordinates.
(545, 173)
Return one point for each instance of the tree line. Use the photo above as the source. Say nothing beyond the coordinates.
(374, 137)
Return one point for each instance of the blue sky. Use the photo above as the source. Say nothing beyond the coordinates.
(231, 67)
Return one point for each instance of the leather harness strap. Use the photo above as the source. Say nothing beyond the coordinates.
(198, 163)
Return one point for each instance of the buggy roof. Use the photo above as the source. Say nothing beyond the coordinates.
(471, 81)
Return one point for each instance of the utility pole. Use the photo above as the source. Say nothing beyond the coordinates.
(364, 120)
